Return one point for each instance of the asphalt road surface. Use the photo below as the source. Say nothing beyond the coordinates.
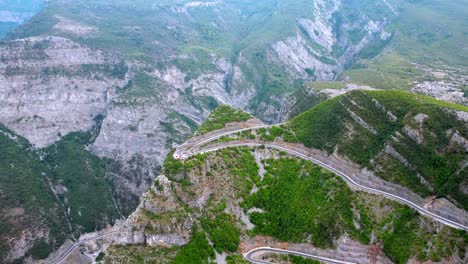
(249, 256)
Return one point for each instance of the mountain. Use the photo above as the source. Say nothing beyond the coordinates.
(15, 12)
(51, 194)
(120, 83)
(223, 201)
(420, 56)
(414, 141)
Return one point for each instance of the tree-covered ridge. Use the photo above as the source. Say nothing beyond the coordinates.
(402, 136)
(302, 202)
(88, 195)
(26, 200)
(216, 227)
(298, 202)
(221, 116)
(61, 190)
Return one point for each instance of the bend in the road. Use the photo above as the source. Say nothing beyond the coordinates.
(249, 255)
(64, 255)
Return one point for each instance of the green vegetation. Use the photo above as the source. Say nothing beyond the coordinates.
(172, 167)
(100, 257)
(220, 117)
(326, 85)
(301, 260)
(320, 127)
(222, 229)
(403, 241)
(236, 259)
(177, 136)
(333, 124)
(425, 34)
(242, 166)
(406, 234)
(199, 63)
(26, 200)
(430, 31)
(40, 250)
(313, 203)
(118, 70)
(197, 251)
(83, 174)
(318, 205)
(142, 88)
(387, 71)
(26, 176)
(305, 100)
(277, 133)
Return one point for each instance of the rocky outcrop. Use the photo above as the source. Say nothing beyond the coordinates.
(52, 86)
(301, 61)
(319, 51)
(72, 27)
(444, 90)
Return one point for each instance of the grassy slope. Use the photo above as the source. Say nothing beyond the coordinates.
(301, 200)
(428, 32)
(329, 125)
(220, 117)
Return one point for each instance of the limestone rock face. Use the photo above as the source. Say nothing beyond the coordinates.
(51, 86)
(317, 51)
(56, 83)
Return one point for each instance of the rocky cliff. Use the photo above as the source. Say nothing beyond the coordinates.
(140, 77)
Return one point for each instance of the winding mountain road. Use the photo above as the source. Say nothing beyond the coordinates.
(249, 256)
(72, 247)
(184, 152)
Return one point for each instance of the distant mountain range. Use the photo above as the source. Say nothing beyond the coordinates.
(15, 12)
(110, 87)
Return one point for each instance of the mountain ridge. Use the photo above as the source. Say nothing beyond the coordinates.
(148, 74)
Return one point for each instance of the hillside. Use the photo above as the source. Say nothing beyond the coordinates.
(252, 50)
(100, 91)
(231, 200)
(50, 195)
(220, 204)
(27, 203)
(421, 49)
(15, 12)
(412, 140)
